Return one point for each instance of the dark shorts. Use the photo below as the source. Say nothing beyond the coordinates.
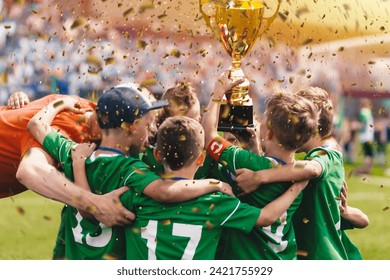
(368, 149)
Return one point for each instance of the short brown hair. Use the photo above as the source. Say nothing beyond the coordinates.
(182, 94)
(293, 119)
(322, 101)
(179, 141)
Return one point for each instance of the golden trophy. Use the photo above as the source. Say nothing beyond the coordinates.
(237, 25)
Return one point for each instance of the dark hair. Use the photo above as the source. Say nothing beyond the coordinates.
(293, 119)
(321, 100)
(179, 141)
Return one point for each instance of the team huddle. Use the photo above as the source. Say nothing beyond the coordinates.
(156, 180)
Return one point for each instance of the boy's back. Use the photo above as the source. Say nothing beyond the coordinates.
(189, 230)
(273, 242)
(317, 221)
(87, 238)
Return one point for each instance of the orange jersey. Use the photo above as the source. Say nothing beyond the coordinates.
(15, 140)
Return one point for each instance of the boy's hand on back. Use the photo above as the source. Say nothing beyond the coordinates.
(248, 180)
(225, 188)
(108, 210)
(81, 152)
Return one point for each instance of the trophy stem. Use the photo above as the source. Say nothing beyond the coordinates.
(240, 93)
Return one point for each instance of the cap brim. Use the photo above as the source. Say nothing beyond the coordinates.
(158, 104)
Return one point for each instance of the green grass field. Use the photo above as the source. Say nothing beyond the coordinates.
(29, 223)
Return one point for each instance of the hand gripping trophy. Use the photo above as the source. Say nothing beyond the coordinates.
(236, 24)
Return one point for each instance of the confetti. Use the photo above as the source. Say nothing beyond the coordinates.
(209, 225)
(20, 210)
(302, 253)
(77, 23)
(109, 257)
(166, 222)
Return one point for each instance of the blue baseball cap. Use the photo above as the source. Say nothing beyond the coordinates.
(124, 103)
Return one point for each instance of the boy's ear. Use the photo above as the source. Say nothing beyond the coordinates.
(270, 134)
(156, 154)
(200, 159)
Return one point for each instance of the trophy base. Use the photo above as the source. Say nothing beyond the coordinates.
(235, 118)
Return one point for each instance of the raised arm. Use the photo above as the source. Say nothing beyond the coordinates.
(183, 190)
(249, 180)
(273, 210)
(210, 118)
(40, 125)
(80, 153)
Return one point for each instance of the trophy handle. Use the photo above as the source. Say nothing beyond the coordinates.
(270, 19)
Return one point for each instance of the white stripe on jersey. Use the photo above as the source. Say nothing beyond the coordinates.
(231, 214)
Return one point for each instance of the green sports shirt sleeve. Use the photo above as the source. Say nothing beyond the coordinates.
(60, 148)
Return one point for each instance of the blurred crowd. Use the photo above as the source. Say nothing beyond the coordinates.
(44, 50)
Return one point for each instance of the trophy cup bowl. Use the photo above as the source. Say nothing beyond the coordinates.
(237, 25)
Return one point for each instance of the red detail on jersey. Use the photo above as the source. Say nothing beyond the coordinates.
(216, 147)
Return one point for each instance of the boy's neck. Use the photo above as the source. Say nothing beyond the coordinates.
(115, 143)
(276, 151)
(184, 172)
(313, 143)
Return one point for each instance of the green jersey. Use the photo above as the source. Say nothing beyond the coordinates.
(276, 241)
(317, 221)
(183, 231)
(87, 238)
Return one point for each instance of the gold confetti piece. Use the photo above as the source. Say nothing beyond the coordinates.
(371, 62)
(196, 209)
(162, 16)
(7, 26)
(4, 77)
(128, 12)
(307, 41)
(58, 103)
(209, 225)
(20, 210)
(77, 23)
(109, 257)
(214, 182)
(91, 209)
(175, 52)
(136, 230)
(139, 171)
(212, 207)
(141, 44)
(302, 253)
(386, 208)
(337, 198)
(109, 60)
(166, 222)
(94, 71)
(47, 218)
(94, 60)
(305, 220)
(182, 138)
